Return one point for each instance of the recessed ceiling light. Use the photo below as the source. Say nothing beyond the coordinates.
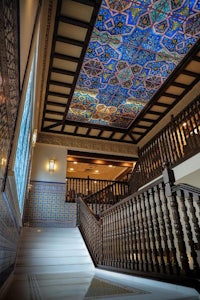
(96, 171)
(71, 169)
(110, 166)
(75, 162)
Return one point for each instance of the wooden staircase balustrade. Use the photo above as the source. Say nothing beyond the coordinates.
(154, 232)
(85, 187)
(106, 197)
(176, 142)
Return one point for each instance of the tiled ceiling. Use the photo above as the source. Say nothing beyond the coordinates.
(117, 67)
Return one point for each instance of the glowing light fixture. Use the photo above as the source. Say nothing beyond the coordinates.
(3, 161)
(51, 165)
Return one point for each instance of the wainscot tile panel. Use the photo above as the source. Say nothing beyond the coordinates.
(46, 206)
(9, 234)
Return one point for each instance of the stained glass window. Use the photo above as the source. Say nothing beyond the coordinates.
(134, 47)
(24, 143)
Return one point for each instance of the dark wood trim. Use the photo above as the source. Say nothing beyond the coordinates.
(75, 22)
(66, 57)
(67, 40)
(62, 71)
(56, 94)
(118, 159)
(55, 104)
(54, 112)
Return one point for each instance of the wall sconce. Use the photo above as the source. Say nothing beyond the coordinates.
(51, 165)
(3, 161)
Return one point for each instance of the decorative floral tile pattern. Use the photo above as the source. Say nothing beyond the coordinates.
(46, 206)
(134, 47)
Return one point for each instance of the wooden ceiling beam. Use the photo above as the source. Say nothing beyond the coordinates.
(196, 58)
(55, 103)
(56, 94)
(63, 72)
(66, 57)
(60, 83)
(52, 126)
(170, 95)
(190, 73)
(93, 126)
(90, 155)
(54, 112)
(75, 22)
(70, 41)
(181, 85)
(92, 3)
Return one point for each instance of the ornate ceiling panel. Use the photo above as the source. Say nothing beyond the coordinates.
(120, 66)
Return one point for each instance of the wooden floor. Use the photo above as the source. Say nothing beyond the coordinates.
(54, 263)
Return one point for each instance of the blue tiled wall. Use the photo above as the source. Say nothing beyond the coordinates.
(9, 232)
(46, 206)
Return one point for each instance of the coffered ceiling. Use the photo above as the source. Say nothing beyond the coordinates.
(117, 67)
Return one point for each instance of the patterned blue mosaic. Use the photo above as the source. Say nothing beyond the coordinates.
(134, 48)
(46, 206)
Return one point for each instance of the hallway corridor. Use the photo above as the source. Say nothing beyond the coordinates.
(54, 263)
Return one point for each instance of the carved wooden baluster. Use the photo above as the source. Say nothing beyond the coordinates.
(173, 266)
(143, 228)
(136, 218)
(118, 237)
(152, 229)
(183, 196)
(195, 210)
(162, 236)
(123, 264)
(108, 239)
(178, 232)
(156, 233)
(109, 233)
(168, 178)
(147, 236)
(134, 252)
(126, 236)
(169, 142)
(129, 234)
(104, 259)
(106, 242)
(114, 238)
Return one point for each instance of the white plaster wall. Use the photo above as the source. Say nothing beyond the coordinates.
(189, 171)
(28, 9)
(42, 154)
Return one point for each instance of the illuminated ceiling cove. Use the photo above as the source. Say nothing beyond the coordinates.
(134, 47)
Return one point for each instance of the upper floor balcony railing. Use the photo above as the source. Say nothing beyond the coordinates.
(176, 142)
(85, 187)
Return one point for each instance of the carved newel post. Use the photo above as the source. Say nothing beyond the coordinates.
(180, 263)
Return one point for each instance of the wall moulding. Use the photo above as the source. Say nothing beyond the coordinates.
(88, 145)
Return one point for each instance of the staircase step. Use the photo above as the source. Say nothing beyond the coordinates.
(54, 269)
(52, 250)
(70, 260)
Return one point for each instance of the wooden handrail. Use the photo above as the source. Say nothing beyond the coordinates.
(87, 186)
(154, 232)
(176, 142)
(107, 197)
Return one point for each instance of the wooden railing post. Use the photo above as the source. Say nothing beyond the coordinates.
(168, 177)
